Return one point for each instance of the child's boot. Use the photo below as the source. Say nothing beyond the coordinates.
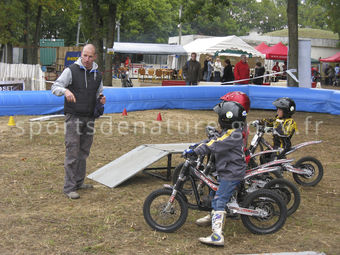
(205, 221)
(217, 223)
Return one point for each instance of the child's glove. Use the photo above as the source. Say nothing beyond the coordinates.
(268, 130)
(189, 153)
(193, 146)
(255, 123)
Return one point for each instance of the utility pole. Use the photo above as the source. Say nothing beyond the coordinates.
(118, 30)
(78, 30)
(180, 26)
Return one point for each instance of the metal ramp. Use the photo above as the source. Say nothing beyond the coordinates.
(135, 161)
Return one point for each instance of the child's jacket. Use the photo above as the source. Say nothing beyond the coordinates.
(227, 148)
(284, 130)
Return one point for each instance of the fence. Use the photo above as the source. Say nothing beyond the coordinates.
(32, 75)
(184, 97)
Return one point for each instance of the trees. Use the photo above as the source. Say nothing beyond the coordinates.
(332, 14)
(98, 19)
(312, 15)
(10, 26)
(23, 23)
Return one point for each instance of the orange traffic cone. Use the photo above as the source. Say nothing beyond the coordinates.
(124, 112)
(159, 117)
(11, 121)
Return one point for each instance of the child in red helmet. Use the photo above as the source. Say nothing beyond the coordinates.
(227, 148)
(242, 99)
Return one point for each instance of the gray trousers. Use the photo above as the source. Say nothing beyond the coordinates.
(78, 141)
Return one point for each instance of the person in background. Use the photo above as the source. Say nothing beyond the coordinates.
(284, 69)
(259, 71)
(331, 75)
(205, 68)
(337, 75)
(228, 74)
(326, 74)
(210, 69)
(192, 70)
(276, 69)
(218, 68)
(242, 71)
(127, 62)
(337, 70)
(81, 84)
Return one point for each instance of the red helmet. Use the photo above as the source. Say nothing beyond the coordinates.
(239, 97)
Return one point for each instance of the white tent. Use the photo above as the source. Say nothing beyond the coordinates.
(228, 45)
(148, 48)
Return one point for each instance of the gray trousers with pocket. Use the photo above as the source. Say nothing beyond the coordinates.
(78, 140)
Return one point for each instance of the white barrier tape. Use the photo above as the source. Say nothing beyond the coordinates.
(289, 72)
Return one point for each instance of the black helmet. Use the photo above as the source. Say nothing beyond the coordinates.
(230, 114)
(286, 104)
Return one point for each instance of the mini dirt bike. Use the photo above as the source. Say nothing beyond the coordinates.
(253, 180)
(307, 171)
(166, 209)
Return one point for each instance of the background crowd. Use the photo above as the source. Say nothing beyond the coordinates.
(241, 72)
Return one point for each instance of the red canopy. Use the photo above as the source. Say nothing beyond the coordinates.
(278, 51)
(262, 47)
(334, 58)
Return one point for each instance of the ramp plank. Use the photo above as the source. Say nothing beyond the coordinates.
(127, 165)
(134, 161)
(171, 147)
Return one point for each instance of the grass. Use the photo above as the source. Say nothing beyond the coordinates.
(36, 218)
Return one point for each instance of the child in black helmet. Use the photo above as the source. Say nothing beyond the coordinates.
(283, 126)
(230, 164)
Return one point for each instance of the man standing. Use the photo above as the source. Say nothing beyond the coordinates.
(241, 70)
(276, 69)
(259, 71)
(192, 70)
(81, 84)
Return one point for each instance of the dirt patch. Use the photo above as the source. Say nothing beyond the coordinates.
(36, 218)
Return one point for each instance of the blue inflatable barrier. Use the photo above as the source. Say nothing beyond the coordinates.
(173, 97)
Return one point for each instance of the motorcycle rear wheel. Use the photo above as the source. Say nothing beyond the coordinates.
(273, 204)
(314, 166)
(157, 218)
(288, 191)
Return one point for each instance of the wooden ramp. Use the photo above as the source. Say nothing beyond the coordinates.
(135, 161)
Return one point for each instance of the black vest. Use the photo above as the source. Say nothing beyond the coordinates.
(84, 91)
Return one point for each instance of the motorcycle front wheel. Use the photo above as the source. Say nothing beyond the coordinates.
(187, 188)
(165, 220)
(316, 171)
(272, 204)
